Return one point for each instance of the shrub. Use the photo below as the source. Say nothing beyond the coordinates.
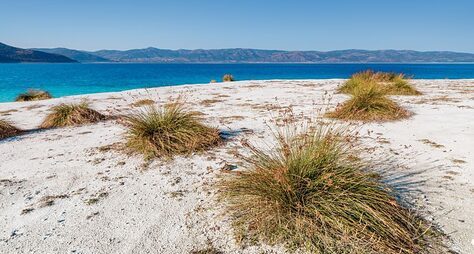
(228, 78)
(71, 114)
(308, 192)
(8, 130)
(169, 131)
(34, 95)
(392, 83)
(369, 103)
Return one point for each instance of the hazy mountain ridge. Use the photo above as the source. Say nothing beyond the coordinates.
(278, 56)
(234, 55)
(9, 54)
(80, 56)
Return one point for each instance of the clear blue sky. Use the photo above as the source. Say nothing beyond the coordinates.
(278, 24)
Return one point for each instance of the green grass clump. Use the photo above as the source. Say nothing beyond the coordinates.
(169, 131)
(369, 103)
(392, 83)
(228, 78)
(8, 130)
(309, 193)
(71, 114)
(34, 95)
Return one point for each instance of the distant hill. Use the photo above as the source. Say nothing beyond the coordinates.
(236, 55)
(77, 55)
(155, 55)
(9, 54)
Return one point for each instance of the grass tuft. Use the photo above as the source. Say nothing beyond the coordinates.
(309, 193)
(71, 114)
(8, 130)
(143, 102)
(391, 83)
(169, 131)
(207, 250)
(400, 86)
(34, 95)
(228, 78)
(369, 103)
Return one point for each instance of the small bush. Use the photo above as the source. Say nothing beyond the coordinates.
(71, 114)
(34, 95)
(169, 131)
(308, 192)
(228, 78)
(392, 83)
(8, 130)
(369, 103)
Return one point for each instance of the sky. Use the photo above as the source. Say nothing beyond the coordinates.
(279, 24)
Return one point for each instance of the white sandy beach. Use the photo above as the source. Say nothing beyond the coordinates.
(69, 190)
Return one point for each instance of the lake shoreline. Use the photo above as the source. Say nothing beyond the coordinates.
(66, 79)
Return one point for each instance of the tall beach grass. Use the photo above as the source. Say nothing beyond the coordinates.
(308, 192)
(391, 83)
(8, 130)
(34, 95)
(369, 103)
(169, 131)
(71, 114)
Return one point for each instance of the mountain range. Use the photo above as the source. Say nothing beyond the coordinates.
(77, 55)
(9, 54)
(236, 55)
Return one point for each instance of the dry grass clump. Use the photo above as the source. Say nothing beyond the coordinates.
(400, 86)
(309, 193)
(169, 131)
(143, 102)
(207, 250)
(34, 95)
(228, 78)
(369, 103)
(392, 83)
(8, 130)
(71, 114)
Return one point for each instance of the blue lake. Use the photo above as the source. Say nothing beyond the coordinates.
(72, 79)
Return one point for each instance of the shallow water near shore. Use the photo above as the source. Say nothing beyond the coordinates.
(74, 79)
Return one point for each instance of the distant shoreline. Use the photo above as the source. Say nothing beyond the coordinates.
(180, 86)
(228, 63)
(66, 79)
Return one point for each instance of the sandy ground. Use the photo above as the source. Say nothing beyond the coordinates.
(69, 191)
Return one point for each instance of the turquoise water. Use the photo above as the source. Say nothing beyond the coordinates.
(72, 79)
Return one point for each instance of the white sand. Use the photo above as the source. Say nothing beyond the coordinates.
(171, 207)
